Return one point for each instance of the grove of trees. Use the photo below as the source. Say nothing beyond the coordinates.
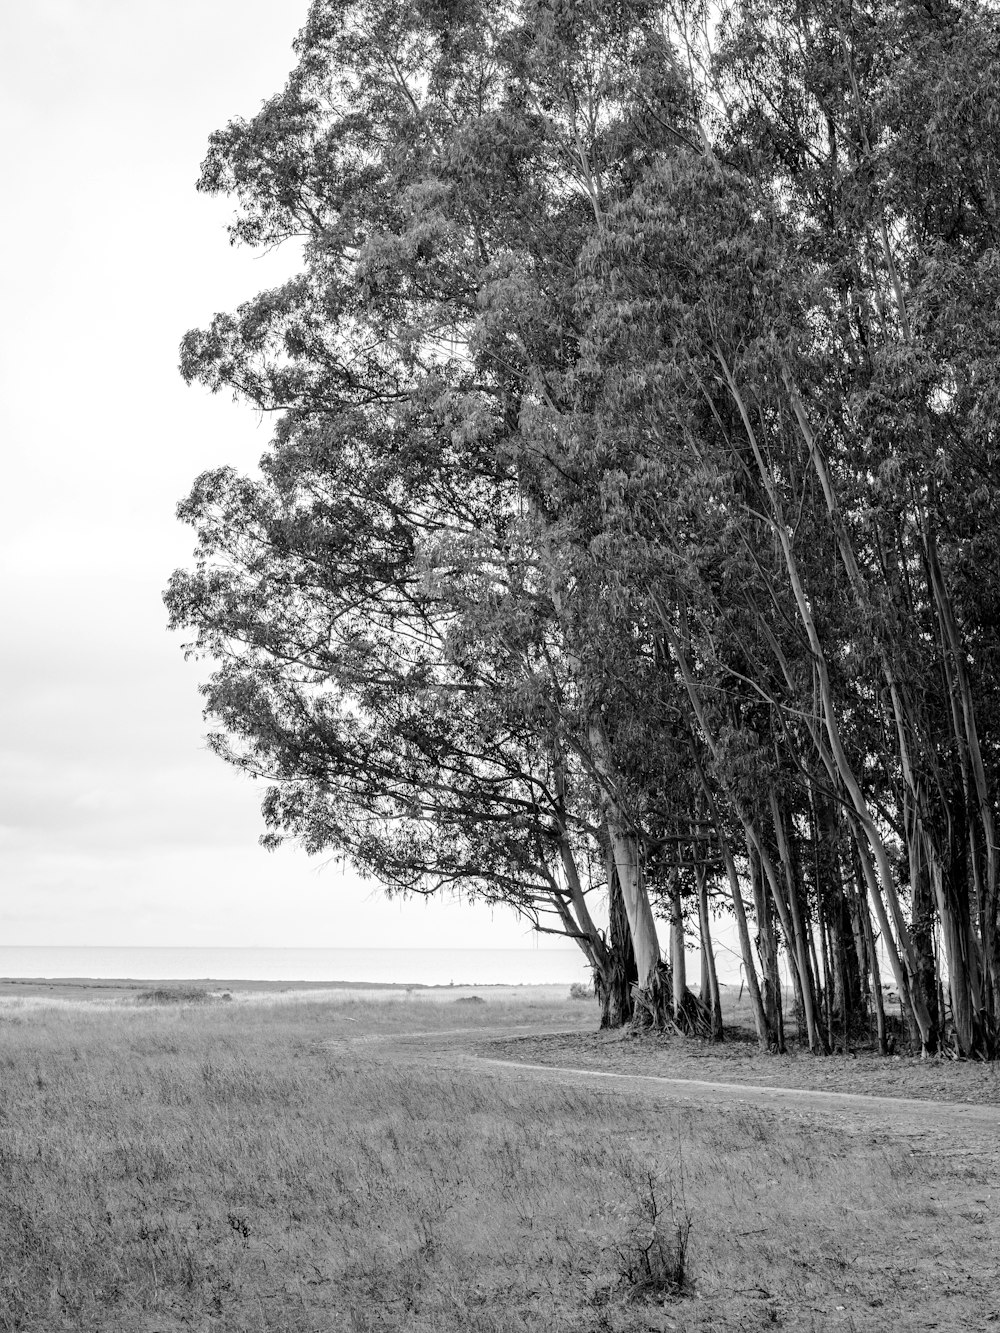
(630, 531)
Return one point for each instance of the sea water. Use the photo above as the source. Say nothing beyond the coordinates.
(428, 967)
(560, 965)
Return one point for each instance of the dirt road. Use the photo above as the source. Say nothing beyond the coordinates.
(953, 1128)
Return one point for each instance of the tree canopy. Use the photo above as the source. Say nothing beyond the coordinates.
(630, 526)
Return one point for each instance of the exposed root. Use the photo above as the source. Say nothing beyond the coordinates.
(653, 1007)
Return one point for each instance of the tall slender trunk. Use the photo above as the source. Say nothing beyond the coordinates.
(767, 949)
(844, 929)
(767, 1034)
(798, 940)
(678, 965)
(627, 852)
(871, 963)
(616, 983)
(990, 914)
(920, 1033)
(822, 971)
(923, 925)
(746, 820)
(712, 1000)
(917, 1007)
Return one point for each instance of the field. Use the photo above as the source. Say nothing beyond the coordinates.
(315, 1164)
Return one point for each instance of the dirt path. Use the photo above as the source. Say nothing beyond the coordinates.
(956, 1128)
(851, 1261)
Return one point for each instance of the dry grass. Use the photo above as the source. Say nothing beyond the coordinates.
(223, 1168)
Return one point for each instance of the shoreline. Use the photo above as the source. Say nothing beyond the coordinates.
(126, 988)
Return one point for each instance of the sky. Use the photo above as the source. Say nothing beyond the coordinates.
(116, 825)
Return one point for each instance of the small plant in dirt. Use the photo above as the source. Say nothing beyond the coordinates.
(652, 1254)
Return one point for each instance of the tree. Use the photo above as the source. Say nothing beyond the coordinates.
(437, 163)
(633, 484)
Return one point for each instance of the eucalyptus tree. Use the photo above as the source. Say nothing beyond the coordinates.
(390, 647)
(773, 322)
(874, 128)
(341, 680)
(631, 513)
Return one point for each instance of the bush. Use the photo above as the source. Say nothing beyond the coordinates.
(174, 995)
(653, 1253)
(580, 991)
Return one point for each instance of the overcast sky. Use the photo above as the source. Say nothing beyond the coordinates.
(116, 826)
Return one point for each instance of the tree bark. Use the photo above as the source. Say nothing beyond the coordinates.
(806, 988)
(767, 949)
(767, 1035)
(713, 1000)
(615, 985)
(916, 1006)
(627, 853)
(678, 962)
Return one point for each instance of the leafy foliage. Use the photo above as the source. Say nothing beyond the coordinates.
(631, 513)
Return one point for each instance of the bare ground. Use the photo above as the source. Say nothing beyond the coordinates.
(817, 1087)
(739, 1061)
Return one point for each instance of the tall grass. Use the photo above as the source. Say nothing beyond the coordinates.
(227, 1168)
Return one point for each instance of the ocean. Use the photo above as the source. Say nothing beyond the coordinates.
(428, 967)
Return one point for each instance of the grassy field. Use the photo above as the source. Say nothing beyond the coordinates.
(241, 1166)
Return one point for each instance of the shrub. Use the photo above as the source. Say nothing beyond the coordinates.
(174, 995)
(580, 991)
(653, 1253)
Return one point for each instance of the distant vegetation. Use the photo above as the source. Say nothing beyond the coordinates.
(175, 995)
(630, 531)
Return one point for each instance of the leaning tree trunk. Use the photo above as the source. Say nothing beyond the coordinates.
(916, 1009)
(875, 857)
(626, 849)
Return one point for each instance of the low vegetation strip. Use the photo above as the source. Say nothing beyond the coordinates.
(225, 1168)
(740, 1061)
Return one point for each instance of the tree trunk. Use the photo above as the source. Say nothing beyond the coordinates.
(923, 928)
(873, 971)
(614, 986)
(805, 988)
(712, 1000)
(678, 964)
(836, 756)
(627, 853)
(767, 1035)
(767, 949)
(990, 919)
